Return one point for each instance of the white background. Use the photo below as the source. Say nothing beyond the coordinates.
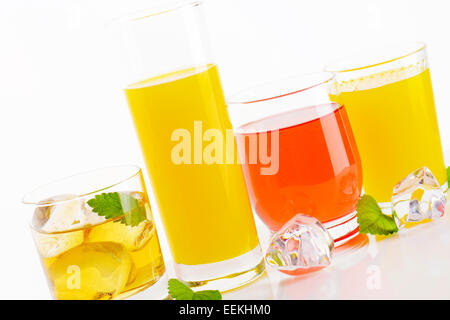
(63, 111)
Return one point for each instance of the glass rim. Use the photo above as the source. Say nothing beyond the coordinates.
(156, 9)
(417, 46)
(135, 169)
(326, 77)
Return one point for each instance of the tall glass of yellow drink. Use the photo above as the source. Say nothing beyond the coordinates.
(389, 100)
(178, 108)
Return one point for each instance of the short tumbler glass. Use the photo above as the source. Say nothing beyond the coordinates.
(96, 236)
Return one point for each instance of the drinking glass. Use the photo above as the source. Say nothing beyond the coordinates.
(177, 105)
(388, 95)
(298, 153)
(96, 237)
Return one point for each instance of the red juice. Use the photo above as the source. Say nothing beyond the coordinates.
(319, 169)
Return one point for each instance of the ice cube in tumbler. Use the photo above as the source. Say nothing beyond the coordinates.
(97, 270)
(51, 245)
(133, 238)
(302, 245)
(58, 214)
(417, 197)
(63, 213)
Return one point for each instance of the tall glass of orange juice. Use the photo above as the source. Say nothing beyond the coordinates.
(389, 99)
(177, 105)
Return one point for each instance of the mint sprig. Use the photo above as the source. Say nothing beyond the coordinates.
(113, 205)
(179, 291)
(371, 219)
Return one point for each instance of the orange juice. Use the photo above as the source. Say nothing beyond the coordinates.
(204, 207)
(393, 117)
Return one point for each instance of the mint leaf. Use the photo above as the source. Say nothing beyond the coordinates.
(207, 295)
(134, 214)
(371, 219)
(113, 205)
(179, 291)
(135, 217)
(107, 205)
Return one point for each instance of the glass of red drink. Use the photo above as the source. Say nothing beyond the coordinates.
(298, 153)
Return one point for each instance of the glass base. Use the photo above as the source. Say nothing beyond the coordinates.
(225, 275)
(154, 290)
(343, 229)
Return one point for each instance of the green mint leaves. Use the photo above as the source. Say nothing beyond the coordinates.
(179, 291)
(371, 219)
(113, 205)
(107, 205)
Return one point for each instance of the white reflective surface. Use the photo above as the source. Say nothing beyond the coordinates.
(413, 264)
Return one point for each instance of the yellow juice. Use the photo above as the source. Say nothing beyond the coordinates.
(393, 117)
(204, 207)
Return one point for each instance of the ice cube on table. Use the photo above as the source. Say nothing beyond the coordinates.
(98, 270)
(302, 245)
(417, 197)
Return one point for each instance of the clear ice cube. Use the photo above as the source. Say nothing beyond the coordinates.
(67, 213)
(133, 238)
(417, 197)
(52, 245)
(98, 270)
(57, 214)
(302, 245)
